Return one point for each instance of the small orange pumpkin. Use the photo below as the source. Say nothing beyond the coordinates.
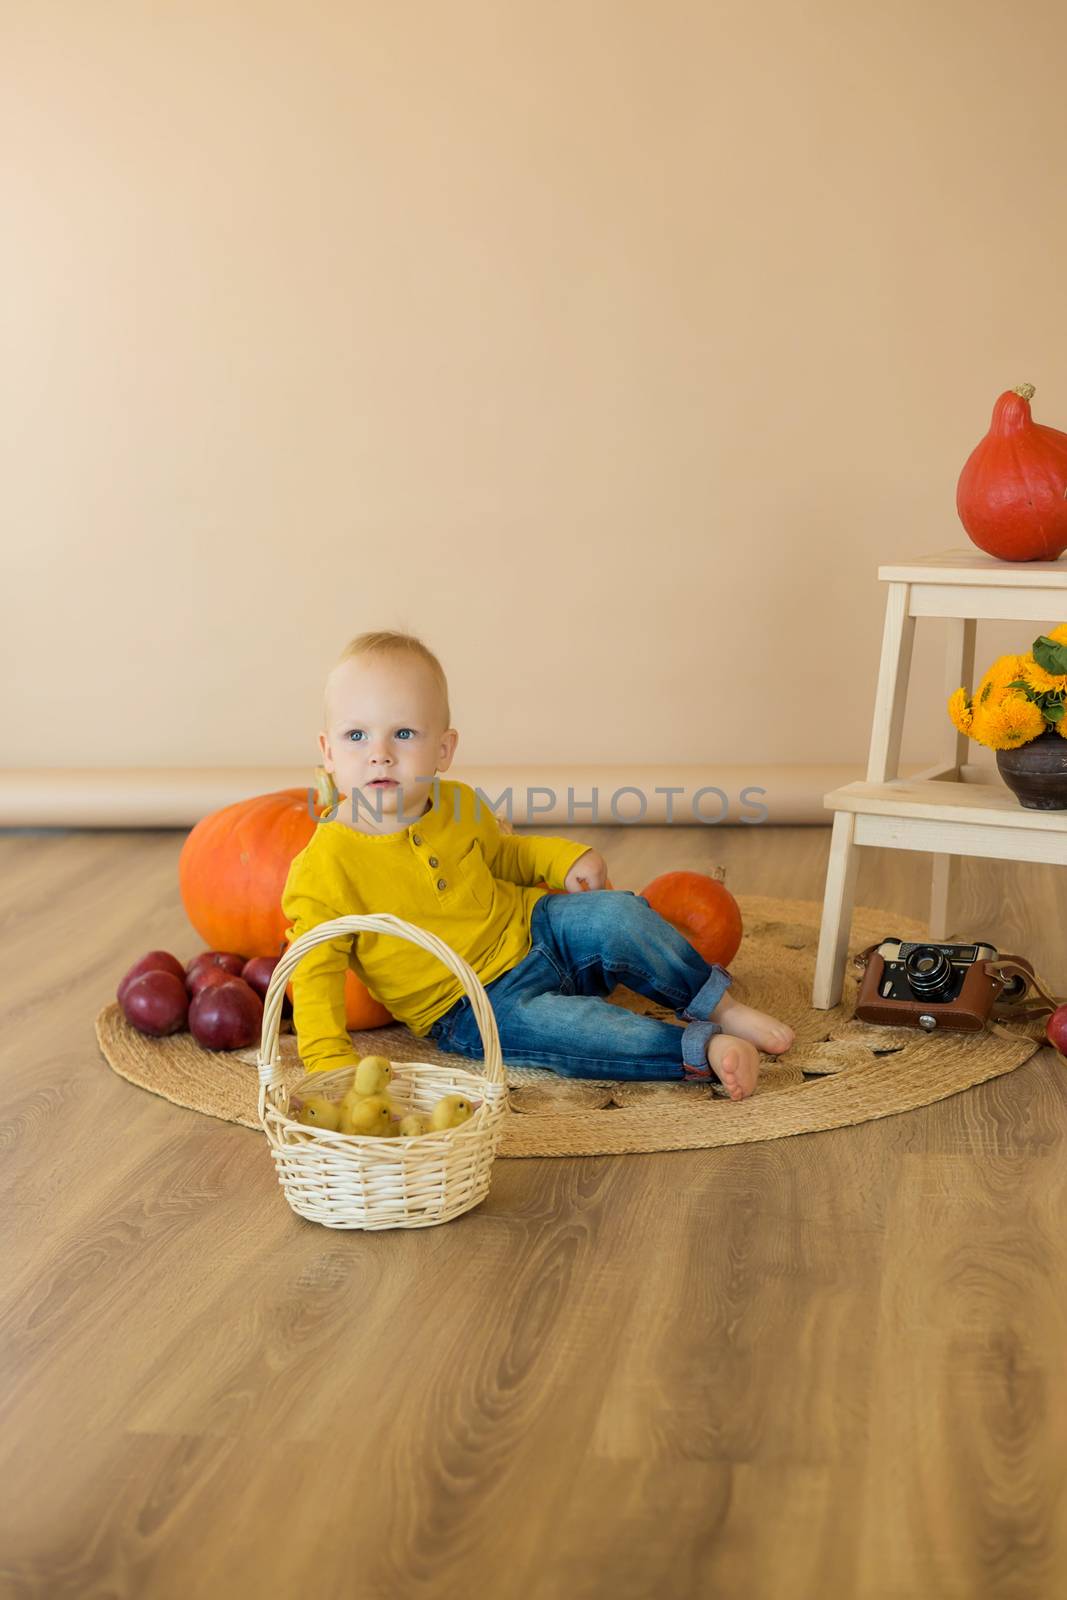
(231, 872)
(702, 909)
(361, 1009)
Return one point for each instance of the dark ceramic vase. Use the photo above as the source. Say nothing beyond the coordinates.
(1036, 773)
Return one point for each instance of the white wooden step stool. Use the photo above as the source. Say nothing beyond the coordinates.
(954, 808)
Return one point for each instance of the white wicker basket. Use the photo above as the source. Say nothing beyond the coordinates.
(353, 1181)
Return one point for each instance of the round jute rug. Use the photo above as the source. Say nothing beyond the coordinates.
(838, 1071)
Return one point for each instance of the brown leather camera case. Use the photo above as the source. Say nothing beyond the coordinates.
(968, 1013)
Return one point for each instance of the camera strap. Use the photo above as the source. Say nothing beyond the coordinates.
(1005, 970)
(862, 957)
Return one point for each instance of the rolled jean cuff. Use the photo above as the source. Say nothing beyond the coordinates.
(707, 997)
(695, 1048)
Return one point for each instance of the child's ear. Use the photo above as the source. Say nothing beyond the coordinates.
(449, 741)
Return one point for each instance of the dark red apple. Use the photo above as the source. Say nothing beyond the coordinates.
(154, 961)
(204, 977)
(258, 973)
(1056, 1030)
(156, 1003)
(216, 958)
(226, 1016)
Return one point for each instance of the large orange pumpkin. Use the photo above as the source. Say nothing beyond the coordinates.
(232, 871)
(702, 909)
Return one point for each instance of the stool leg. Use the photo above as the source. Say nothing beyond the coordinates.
(959, 670)
(892, 693)
(941, 897)
(836, 913)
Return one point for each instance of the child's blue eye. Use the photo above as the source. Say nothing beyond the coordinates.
(356, 733)
(405, 730)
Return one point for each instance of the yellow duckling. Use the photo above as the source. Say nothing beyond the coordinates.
(315, 1111)
(412, 1125)
(370, 1117)
(450, 1112)
(351, 1101)
(374, 1074)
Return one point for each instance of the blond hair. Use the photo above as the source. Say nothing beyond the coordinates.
(385, 642)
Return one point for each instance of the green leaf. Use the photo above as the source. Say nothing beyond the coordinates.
(1050, 655)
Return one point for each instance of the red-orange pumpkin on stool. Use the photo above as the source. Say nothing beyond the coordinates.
(1012, 492)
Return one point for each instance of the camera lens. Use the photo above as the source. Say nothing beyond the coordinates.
(928, 970)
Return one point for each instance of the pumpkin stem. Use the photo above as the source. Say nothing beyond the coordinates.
(325, 789)
(719, 874)
(1025, 390)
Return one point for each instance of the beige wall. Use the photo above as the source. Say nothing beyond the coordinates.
(611, 346)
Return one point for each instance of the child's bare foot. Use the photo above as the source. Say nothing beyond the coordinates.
(735, 1062)
(766, 1032)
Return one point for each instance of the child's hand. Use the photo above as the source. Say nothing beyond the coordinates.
(588, 872)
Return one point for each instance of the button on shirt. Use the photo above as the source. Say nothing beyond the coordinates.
(454, 873)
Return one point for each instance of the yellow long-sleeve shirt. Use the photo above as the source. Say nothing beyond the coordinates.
(453, 872)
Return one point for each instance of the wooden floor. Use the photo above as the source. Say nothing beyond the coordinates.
(829, 1366)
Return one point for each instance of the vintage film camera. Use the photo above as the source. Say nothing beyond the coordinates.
(957, 986)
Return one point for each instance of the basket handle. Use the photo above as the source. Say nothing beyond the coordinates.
(379, 922)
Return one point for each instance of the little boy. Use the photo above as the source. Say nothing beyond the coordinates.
(431, 852)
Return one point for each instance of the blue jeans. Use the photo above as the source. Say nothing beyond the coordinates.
(550, 1008)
